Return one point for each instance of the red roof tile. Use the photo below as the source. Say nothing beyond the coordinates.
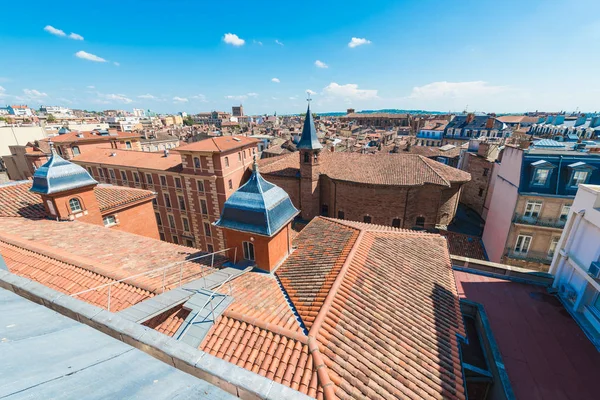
(464, 245)
(169, 321)
(219, 144)
(110, 196)
(74, 136)
(130, 158)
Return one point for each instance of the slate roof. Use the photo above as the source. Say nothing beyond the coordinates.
(309, 139)
(59, 175)
(379, 305)
(16, 200)
(258, 206)
(375, 169)
(219, 144)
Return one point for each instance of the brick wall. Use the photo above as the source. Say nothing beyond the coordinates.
(475, 191)
(289, 184)
(138, 219)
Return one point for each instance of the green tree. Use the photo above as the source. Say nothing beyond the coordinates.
(51, 118)
(188, 121)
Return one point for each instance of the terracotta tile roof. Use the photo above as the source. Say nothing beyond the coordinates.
(309, 272)
(68, 278)
(432, 151)
(266, 350)
(169, 321)
(72, 137)
(130, 158)
(219, 144)
(376, 169)
(110, 196)
(464, 245)
(374, 115)
(17, 201)
(110, 253)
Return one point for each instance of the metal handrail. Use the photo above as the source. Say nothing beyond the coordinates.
(209, 300)
(164, 269)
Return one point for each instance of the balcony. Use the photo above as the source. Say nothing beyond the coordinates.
(531, 256)
(557, 223)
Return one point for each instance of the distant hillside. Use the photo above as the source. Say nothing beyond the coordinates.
(389, 111)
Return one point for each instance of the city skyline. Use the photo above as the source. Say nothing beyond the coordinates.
(403, 55)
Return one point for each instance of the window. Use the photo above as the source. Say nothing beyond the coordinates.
(340, 214)
(171, 221)
(540, 176)
(367, 219)
(186, 224)
(101, 173)
(111, 172)
(158, 219)
(533, 208)
(178, 183)
(196, 162)
(76, 151)
(578, 178)
(181, 202)
(189, 243)
(207, 229)
(306, 158)
(75, 205)
(163, 180)
(203, 206)
(396, 222)
(239, 156)
(230, 184)
(442, 160)
(167, 200)
(89, 170)
(325, 210)
(553, 245)
(420, 222)
(210, 248)
(200, 186)
(154, 202)
(523, 243)
(485, 171)
(149, 179)
(162, 236)
(226, 162)
(123, 176)
(175, 239)
(480, 194)
(128, 145)
(248, 251)
(109, 220)
(564, 213)
(136, 177)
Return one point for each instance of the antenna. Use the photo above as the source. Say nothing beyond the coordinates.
(308, 97)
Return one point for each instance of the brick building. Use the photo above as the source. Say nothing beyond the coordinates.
(400, 190)
(191, 186)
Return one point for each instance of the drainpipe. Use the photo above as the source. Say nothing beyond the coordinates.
(405, 206)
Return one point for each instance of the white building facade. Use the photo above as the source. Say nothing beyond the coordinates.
(576, 263)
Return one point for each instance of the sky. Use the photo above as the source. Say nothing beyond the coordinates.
(169, 56)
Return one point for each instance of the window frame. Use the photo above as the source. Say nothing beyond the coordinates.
(341, 214)
(203, 207)
(109, 224)
(399, 223)
(522, 242)
(163, 180)
(178, 183)
(171, 219)
(136, 177)
(226, 162)
(530, 209)
(149, 180)
(79, 205)
(207, 229)
(546, 182)
(575, 172)
(248, 251)
(123, 175)
(186, 224)
(562, 212)
(158, 218)
(367, 219)
(200, 185)
(76, 150)
(167, 200)
(420, 217)
(181, 202)
(197, 163)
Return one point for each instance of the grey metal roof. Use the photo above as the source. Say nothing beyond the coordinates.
(46, 355)
(309, 139)
(58, 175)
(258, 207)
(548, 143)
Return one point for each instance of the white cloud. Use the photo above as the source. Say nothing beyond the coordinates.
(321, 64)
(53, 31)
(91, 87)
(2, 91)
(147, 96)
(311, 92)
(240, 97)
(276, 80)
(88, 56)
(355, 42)
(117, 64)
(278, 42)
(349, 91)
(233, 39)
(178, 99)
(252, 94)
(117, 97)
(258, 42)
(34, 94)
(274, 98)
(293, 98)
(75, 36)
(200, 97)
(437, 90)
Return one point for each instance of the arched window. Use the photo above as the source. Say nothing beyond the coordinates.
(249, 251)
(75, 205)
(420, 222)
(196, 162)
(76, 151)
(306, 158)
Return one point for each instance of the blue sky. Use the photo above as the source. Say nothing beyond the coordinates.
(502, 56)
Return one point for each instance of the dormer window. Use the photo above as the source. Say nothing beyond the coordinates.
(75, 205)
(542, 170)
(579, 177)
(540, 176)
(76, 151)
(580, 173)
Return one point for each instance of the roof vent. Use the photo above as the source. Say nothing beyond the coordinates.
(113, 154)
(166, 152)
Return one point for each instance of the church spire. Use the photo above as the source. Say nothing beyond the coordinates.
(309, 139)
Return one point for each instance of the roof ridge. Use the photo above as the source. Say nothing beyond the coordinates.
(71, 259)
(269, 326)
(424, 159)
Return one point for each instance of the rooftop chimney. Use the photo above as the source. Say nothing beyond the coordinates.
(113, 154)
(489, 124)
(470, 117)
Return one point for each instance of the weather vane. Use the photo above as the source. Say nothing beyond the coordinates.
(308, 99)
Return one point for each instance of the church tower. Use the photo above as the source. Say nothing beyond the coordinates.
(67, 190)
(309, 149)
(257, 220)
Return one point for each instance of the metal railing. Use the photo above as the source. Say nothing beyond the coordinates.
(543, 257)
(176, 278)
(537, 221)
